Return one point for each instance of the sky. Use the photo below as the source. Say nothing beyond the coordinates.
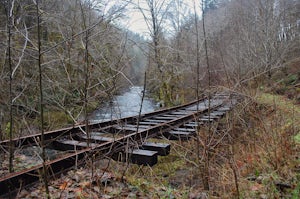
(136, 23)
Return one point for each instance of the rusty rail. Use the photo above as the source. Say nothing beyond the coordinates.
(175, 118)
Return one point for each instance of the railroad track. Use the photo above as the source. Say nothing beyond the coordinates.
(122, 139)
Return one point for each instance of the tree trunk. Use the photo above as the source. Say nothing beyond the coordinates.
(44, 173)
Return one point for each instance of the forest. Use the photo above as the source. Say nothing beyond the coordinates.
(62, 59)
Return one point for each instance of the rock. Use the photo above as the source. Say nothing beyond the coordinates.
(131, 195)
(198, 195)
(263, 196)
(85, 184)
(96, 189)
(106, 179)
(34, 194)
(106, 197)
(251, 178)
(120, 185)
(23, 194)
(71, 195)
(259, 179)
(282, 186)
(76, 178)
(109, 189)
(51, 189)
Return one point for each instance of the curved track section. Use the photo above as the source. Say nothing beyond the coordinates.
(109, 138)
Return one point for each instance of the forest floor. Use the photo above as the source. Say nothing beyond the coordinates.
(259, 159)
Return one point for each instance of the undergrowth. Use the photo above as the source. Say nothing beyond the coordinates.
(253, 152)
(258, 141)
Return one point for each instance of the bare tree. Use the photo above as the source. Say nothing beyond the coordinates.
(86, 21)
(42, 143)
(9, 61)
(155, 14)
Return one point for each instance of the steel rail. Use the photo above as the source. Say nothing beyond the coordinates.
(14, 181)
(51, 135)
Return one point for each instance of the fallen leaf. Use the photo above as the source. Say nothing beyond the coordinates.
(78, 193)
(76, 178)
(77, 190)
(85, 184)
(96, 189)
(256, 187)
(239, 164)
(105, 196)
(108, 189)
(249, 159)
(63, 186)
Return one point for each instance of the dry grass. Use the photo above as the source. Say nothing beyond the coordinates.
(253, 153)
(257, 142)
(265, 150)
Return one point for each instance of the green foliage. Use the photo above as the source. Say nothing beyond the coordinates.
(288, 107)
(56, 119)
(296, 192)
(7, 128)
(54, 37)
(291, 79)
(169, 164)
(257, 173)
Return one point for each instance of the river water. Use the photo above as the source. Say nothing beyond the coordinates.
(124, 105)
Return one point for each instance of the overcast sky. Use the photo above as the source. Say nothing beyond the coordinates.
(136, 23)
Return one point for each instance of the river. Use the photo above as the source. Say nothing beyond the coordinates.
(124, 105)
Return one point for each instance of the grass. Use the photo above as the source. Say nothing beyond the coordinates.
(273, 159)
(281, 102)
(287, 107)
(155, 181)
(266, 150)
(262, 150)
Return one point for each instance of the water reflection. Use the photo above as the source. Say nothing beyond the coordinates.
(127, 104)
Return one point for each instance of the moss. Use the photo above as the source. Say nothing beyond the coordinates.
(287, 106)
(296, 192)
(56, 119)
(92, 106)
(289, 109)
(157, 180)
